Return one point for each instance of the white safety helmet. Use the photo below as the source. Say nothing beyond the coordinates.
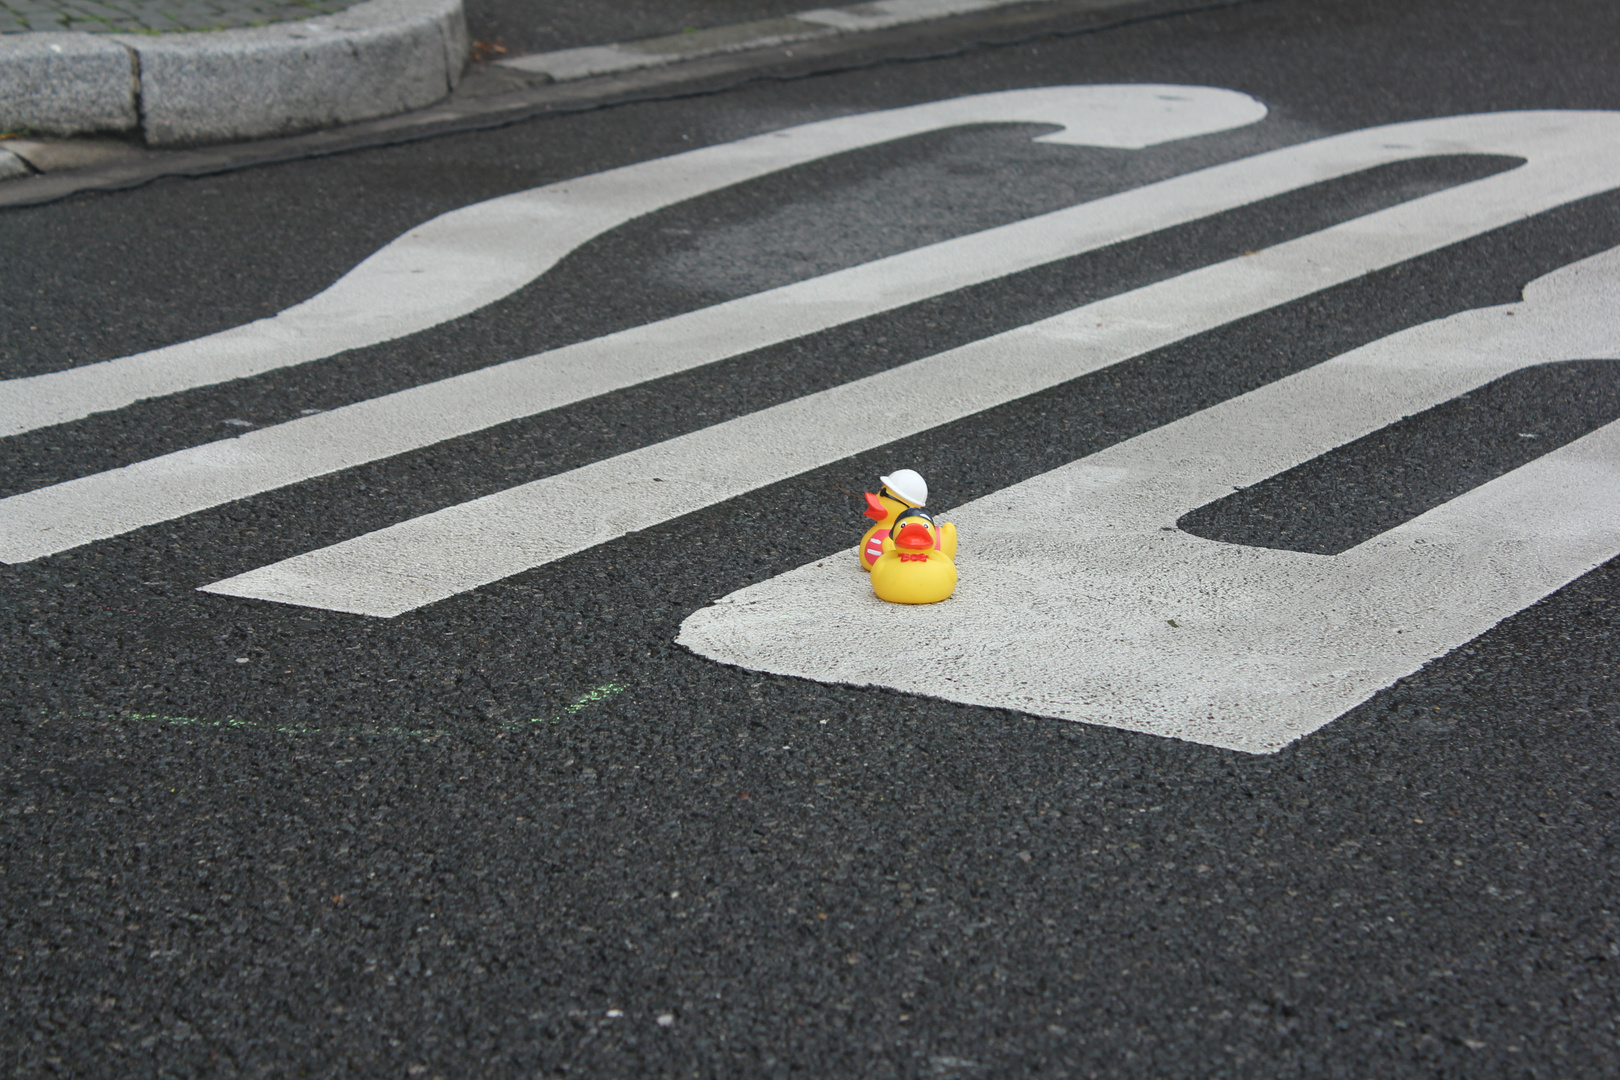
(908, 485)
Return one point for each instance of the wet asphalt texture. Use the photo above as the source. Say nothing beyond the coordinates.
(521, 833)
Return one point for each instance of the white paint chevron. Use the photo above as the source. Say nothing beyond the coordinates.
(1078, 600)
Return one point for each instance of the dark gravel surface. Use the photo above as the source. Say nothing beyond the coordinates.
(520, 833)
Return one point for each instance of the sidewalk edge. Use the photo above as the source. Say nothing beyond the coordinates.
(378, 58)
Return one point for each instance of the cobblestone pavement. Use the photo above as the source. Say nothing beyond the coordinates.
(155, 16)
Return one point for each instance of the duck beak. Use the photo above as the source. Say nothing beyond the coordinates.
(915, 537)
(874, 508)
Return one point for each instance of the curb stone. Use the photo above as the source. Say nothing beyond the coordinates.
(67, 83)
(375, 59)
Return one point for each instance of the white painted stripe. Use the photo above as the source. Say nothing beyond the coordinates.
(566, 65)
(886, 13)
(460, 261)
(435, 556)
(63, 516)
(1069, 581)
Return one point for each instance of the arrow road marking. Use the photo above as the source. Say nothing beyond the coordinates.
(63, 516)
(1070, 581)
(429, 558)
(460, 261)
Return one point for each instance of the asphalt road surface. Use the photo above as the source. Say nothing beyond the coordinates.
(1272, 731)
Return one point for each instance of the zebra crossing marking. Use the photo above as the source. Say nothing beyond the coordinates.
(66, 515)
(1076, 601)
(465, 259)
(416, 562)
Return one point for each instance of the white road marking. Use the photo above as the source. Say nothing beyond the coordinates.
(1069, 581)
(564, 65)
(429, 558)
(884, 13)
(63, 516)
(460, 261)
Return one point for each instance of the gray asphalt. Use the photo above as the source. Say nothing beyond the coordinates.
(354, 854)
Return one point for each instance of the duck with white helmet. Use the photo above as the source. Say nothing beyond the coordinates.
(902, 490)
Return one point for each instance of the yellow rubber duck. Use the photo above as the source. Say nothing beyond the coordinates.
(914, 568)
(902, 490)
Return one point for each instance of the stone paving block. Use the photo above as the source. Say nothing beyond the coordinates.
(92, 10)
(67, 84)
(16, 17)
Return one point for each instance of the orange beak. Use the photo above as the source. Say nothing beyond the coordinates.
(874, 508)
(914, 536)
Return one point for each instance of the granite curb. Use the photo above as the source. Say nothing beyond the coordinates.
(378, 58)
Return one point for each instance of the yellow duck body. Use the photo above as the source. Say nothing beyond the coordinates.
(891, 507)
(909, 575)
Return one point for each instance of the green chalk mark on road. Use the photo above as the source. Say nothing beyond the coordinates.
(585, 700)
(282, 729)
(602, 693)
